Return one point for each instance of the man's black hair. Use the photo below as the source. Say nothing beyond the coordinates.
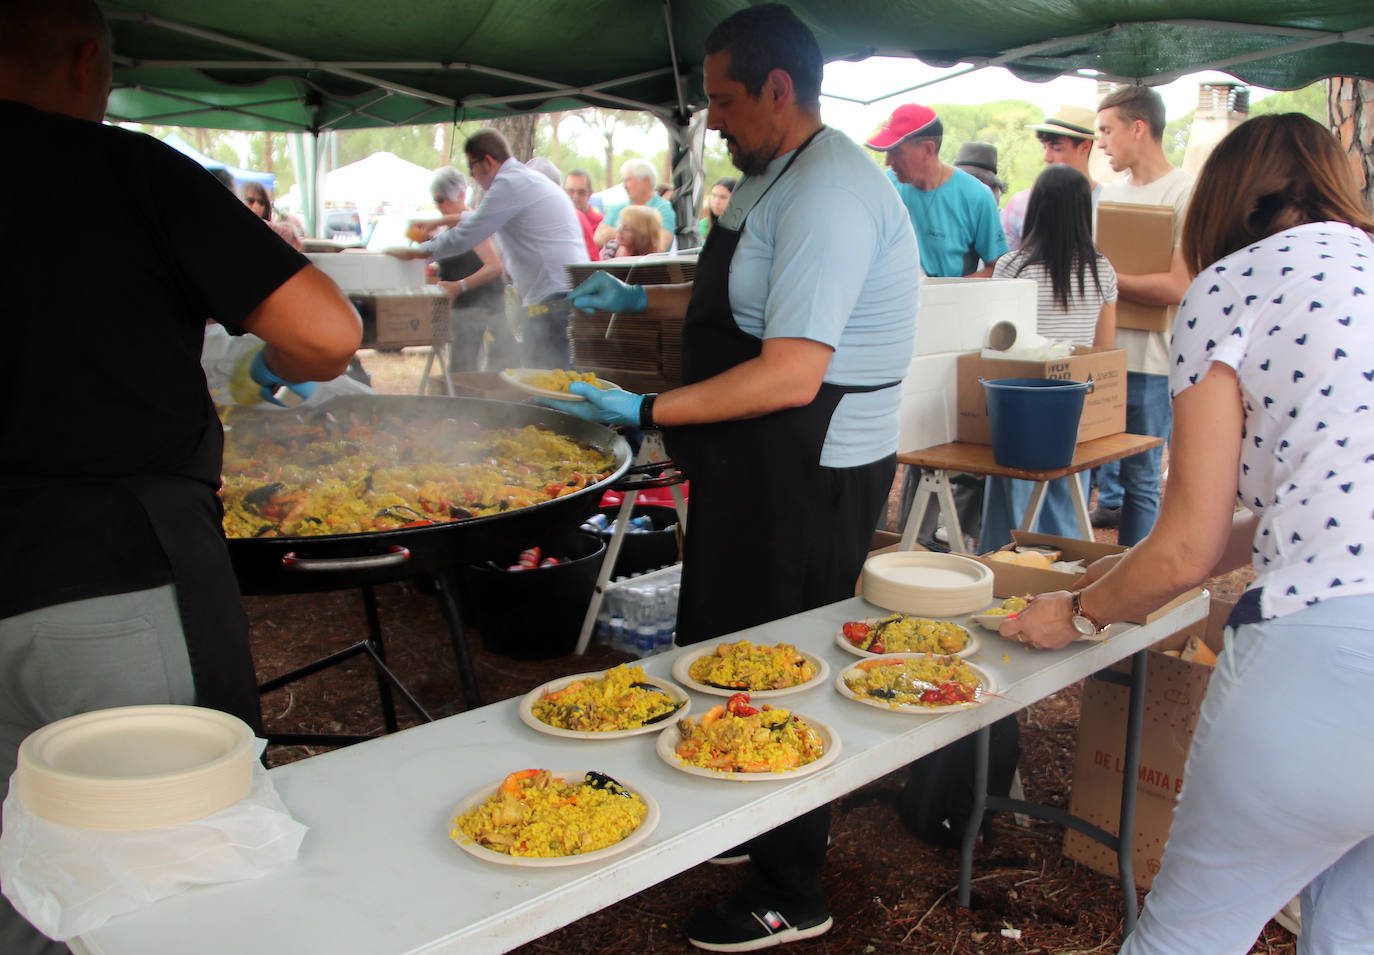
(766, 38)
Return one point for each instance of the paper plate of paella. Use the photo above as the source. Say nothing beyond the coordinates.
(992, 618)
(552, 382)
(738, 740)
(917, 683)
(543, 818)
(610, 704)
(904, 633)
(762, 670)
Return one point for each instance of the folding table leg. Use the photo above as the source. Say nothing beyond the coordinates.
(934, 482)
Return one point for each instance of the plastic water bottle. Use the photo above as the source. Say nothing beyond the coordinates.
(666, 613)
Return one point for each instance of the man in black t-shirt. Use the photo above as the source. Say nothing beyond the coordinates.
(117, 584)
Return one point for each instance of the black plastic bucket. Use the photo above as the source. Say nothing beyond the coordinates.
(535, 614)
(1034, 421)
(646, 550)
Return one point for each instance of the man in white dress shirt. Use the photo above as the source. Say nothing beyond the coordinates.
(539, 234)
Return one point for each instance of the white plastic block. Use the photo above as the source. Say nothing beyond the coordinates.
(956, 314)
(928, 413)
(370, 271)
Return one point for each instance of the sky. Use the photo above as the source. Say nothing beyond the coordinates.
(880, 76)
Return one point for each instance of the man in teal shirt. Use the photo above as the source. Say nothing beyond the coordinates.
(954, 215)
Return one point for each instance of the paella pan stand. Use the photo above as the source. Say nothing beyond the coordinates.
(437, 552)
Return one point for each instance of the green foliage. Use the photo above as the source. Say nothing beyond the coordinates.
(1310, 101)
(1175, 141)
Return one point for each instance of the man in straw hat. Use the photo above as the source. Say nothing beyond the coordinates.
(1067, 138)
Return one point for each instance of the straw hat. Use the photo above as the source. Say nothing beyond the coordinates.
(1074, 122)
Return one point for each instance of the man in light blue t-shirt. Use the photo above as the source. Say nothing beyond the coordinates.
(640, 178)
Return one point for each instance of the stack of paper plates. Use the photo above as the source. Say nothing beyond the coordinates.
(135, 767)
(927, 584)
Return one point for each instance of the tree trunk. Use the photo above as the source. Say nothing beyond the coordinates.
(519, 132)
(610, 158)
(1350, 113)
(555, 118)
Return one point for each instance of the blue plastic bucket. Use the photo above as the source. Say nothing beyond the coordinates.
(1034, 421)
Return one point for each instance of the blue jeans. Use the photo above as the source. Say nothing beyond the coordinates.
(1132, 484)
(1005, 501)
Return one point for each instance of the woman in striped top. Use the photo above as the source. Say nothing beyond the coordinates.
(1076, 303)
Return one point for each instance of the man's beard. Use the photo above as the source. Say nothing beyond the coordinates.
(750, 163)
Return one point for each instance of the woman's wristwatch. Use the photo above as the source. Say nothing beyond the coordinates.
(1083, 621)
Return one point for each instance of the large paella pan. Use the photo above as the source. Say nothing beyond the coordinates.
(377, 488)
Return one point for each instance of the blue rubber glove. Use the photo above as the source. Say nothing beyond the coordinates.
(604, 292)
(270, 382)
(611, 406)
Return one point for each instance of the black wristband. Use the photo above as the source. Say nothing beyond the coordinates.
(646, 411)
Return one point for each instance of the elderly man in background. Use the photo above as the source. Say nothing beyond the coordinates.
(118, 588)
(1067, 138)
(539, 234)
(640, 179)
(956, 223)
(578, 185)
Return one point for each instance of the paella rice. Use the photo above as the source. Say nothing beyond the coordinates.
(537, 815)
(558, 379)
(736, 737)
(902, 633)
(929, 680)
(291, 477)
(620, 699)
(748, 666)
(1009, 606)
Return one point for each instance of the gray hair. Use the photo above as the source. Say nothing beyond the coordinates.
(546, 166)
(449, 183)
(640, 169)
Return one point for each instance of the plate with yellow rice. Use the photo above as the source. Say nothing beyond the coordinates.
(610, 704)
(749, 744)
(552, 382)
(762, 670)
(904, 633)
(992, 617)
(543, 818)
(917, 683)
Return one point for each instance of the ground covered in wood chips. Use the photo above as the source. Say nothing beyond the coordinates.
(888, 892)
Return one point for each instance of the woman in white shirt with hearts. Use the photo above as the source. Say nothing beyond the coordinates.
(1273, 393)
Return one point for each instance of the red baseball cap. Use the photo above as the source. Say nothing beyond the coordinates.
(906, 121)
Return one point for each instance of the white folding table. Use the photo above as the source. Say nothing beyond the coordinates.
(377, 874)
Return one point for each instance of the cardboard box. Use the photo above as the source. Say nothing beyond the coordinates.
(420, 317)
(1104, 411)
(927, 414)
(1137, 240)
(956, 314)
(1011, 580)
(1174, 690)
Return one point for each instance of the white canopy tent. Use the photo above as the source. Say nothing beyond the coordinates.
(382, 181)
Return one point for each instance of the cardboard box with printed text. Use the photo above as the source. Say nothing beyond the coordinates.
(1104, 410)
(1174, 689)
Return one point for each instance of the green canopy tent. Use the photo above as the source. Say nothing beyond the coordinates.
(316, 65)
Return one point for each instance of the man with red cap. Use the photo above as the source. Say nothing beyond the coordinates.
(957, 226)
(955, 215)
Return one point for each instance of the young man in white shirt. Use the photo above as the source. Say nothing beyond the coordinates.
(1130, 126)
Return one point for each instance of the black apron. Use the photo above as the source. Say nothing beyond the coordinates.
(755, 511)
(187, 519)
